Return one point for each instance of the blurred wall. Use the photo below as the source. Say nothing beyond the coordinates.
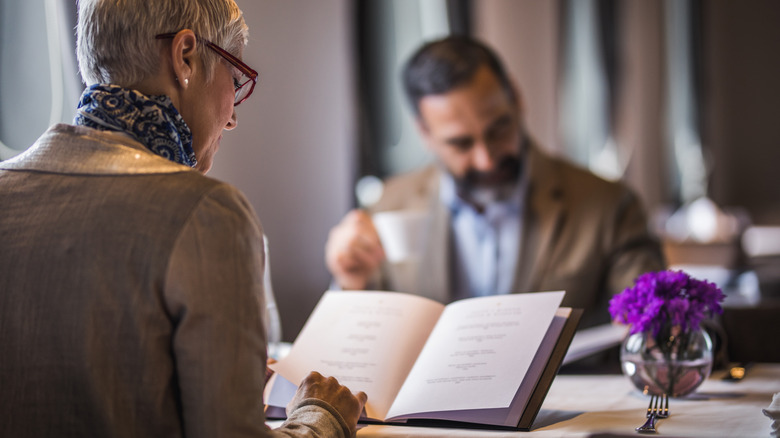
(292, 151)
(742, 97)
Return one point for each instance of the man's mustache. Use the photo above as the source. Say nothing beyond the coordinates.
(506, 172)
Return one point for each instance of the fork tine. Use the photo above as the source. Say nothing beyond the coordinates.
(650, 409)
(664, 413)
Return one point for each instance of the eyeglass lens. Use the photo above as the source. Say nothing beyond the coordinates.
(244, 89)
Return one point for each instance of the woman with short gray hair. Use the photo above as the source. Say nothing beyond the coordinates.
(131, 284)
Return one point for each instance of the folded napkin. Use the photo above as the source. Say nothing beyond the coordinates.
(773, 412)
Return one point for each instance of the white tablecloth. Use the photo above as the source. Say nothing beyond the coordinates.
(581, 406)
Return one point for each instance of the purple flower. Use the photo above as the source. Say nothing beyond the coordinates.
(663, 298)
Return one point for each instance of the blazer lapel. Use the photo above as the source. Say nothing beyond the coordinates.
(542, 217)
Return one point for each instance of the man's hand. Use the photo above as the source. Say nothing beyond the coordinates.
(328, 389)
(353, 252)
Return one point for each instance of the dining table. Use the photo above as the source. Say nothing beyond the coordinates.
(608, 405)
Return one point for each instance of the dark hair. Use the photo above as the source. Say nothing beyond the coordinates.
(443, 65)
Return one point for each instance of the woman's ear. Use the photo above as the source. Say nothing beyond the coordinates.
(183, 50)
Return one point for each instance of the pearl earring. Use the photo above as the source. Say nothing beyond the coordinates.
(186, 82)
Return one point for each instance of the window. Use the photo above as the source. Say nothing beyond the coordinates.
(39, 82)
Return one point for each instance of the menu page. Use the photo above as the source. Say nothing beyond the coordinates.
(478, 353)
(367, 340)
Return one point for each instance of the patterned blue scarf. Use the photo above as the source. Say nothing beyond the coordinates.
(152, 120)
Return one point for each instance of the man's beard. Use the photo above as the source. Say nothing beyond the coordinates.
(482, 188)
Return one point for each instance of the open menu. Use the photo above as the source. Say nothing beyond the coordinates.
(481, 361)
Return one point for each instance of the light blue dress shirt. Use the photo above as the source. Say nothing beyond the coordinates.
(485, 245)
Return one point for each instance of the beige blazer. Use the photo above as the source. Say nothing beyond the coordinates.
(580, 234)
(131, 293)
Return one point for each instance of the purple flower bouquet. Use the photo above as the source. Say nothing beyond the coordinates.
(667, 351)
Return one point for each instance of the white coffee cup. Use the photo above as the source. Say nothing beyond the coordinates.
(401, 233)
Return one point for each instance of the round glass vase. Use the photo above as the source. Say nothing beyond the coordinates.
(671, 362)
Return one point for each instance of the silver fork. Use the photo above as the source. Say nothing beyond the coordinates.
(658, 408)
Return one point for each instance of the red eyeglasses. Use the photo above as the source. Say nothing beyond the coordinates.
(245, 84)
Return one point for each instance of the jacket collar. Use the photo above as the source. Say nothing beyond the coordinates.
(80, 150)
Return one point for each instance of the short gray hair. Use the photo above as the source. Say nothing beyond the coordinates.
(116, 39)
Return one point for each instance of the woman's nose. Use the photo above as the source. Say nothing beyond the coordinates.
(233, 122)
